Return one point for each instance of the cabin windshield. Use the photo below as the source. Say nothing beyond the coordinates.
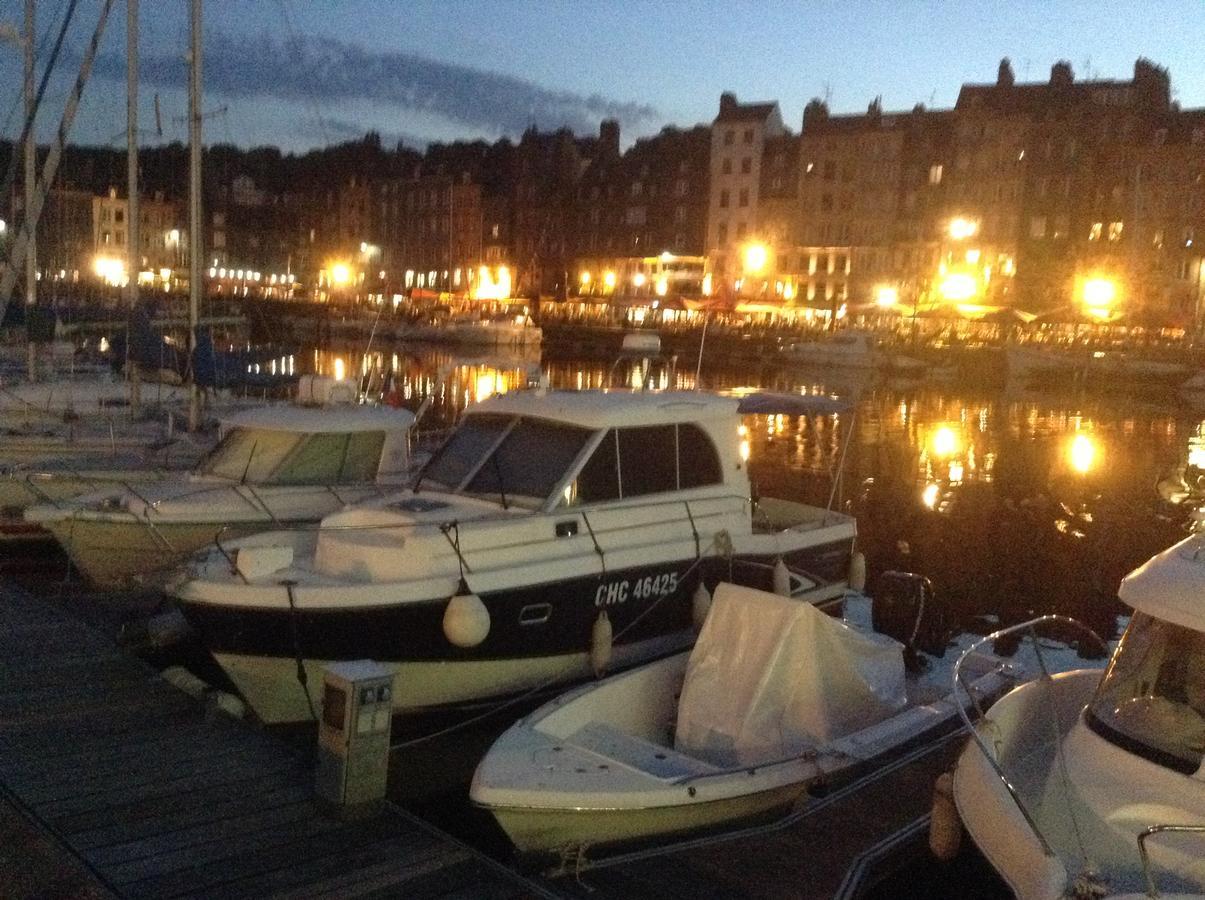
(266, 456)
(516, 461)
(1152, 698)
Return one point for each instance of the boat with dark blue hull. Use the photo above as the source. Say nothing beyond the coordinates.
(554, 535)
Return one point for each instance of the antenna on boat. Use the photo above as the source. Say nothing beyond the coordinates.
(196, 242)
(702, 343)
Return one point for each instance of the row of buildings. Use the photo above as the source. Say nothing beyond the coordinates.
(1062, 193)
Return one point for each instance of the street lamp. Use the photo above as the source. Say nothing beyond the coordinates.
(886, 295)
(961, 228)
(755, 256)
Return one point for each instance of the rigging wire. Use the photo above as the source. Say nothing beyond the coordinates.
(10, 175)
(296, 47)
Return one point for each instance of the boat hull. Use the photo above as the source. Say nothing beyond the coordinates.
(534, 830)
(540, 634)
(114, 555)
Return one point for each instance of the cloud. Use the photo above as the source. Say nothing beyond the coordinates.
(328, 72)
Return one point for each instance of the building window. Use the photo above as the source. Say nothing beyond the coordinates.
(723, 199)
(740, 230)
(830, 170)
(826, 202)
(726, 167)
(744, 197)
(680, 187)
(777, 183)
(935, 174)
(637, 188)
(748, 135)
(680, 214)
(729, 136)
(1037, 227)
(722, 233)
(1095, 231)
(746, 165)
(1115, 229)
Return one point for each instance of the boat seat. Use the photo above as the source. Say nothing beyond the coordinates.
(637, 753)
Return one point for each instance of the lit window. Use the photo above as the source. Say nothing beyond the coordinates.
(1095, 231)
(1115, 230)
(935, 174)
(1037, 227)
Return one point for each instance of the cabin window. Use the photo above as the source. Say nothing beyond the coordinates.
(647, 461)
(599, 477)
(249, 454)
(530, 461)
(460, 454)
(1152, 698)
(698, 463)
(333, 459)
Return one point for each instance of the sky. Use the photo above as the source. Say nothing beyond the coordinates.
(304, 73)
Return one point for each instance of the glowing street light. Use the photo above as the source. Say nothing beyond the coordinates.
(340, 274)
(960, 228)
(1099, 293)
(755, 258)
(584, 279)
(639, 279)
(945, 441)
(886, 295)
(609, 280)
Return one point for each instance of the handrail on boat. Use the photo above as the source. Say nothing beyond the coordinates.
(959, 682)
(1152, 889)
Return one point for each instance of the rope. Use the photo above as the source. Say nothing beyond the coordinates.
(302, 678)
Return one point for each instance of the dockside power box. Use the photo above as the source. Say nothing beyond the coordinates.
(353, 737)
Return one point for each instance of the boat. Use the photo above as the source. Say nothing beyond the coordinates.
(503, 330)
(274, 466)
(58, 478)
(776, 697)
(1038, 362)
(553, 534)
(850, 349)
(1089, 783)
(1192, 390)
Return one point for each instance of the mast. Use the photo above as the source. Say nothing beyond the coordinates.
(133, 213)
(196, 243)
(31, 176)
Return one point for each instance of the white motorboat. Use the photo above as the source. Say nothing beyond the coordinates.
(554, 531)
(849, 349)
(1032, 362)
(1084, 785)
(275, 465)
(516, 330)
(776, 697)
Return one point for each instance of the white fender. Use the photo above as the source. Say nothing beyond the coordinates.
(600, 644)
(782, 579)
(700, 605)
(466, 620)
(857, 571)
(945, 825)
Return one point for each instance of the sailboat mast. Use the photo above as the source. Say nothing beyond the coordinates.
(196, 248)
(133, 209)
(31, 176)
(133, 235)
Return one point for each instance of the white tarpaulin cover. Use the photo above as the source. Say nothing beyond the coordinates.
(770, 677)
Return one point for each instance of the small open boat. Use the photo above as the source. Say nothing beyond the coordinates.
(775, 697)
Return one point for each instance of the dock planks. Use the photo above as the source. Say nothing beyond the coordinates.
(158, 800)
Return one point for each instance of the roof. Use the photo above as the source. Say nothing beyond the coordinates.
(1171, 585)
(322, 419)
(606, 409)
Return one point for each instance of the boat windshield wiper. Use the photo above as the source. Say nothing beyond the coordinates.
(247, 468)
(498, 472)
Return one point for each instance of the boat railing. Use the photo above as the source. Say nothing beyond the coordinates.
(451, 527)
(1030, 627)
(1152, 890)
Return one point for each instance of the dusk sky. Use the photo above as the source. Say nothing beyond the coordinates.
(302, 73)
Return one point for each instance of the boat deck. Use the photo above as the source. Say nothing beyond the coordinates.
(127, 788)
(837, 846)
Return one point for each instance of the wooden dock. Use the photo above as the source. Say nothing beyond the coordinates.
(837, 846)
(130, 780)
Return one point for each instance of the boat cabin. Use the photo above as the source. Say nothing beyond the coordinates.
(295, 445)
(569, 449)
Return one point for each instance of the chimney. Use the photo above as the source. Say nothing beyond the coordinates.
(608, 137)
(1004, 75)
(727, 102)
(815, 111)
(1061, 74)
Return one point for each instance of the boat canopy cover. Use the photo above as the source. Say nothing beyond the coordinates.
(1170, 586)
(320, 419)
(610, 409)
(771, 677)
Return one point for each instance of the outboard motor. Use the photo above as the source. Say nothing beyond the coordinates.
(904, 607)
